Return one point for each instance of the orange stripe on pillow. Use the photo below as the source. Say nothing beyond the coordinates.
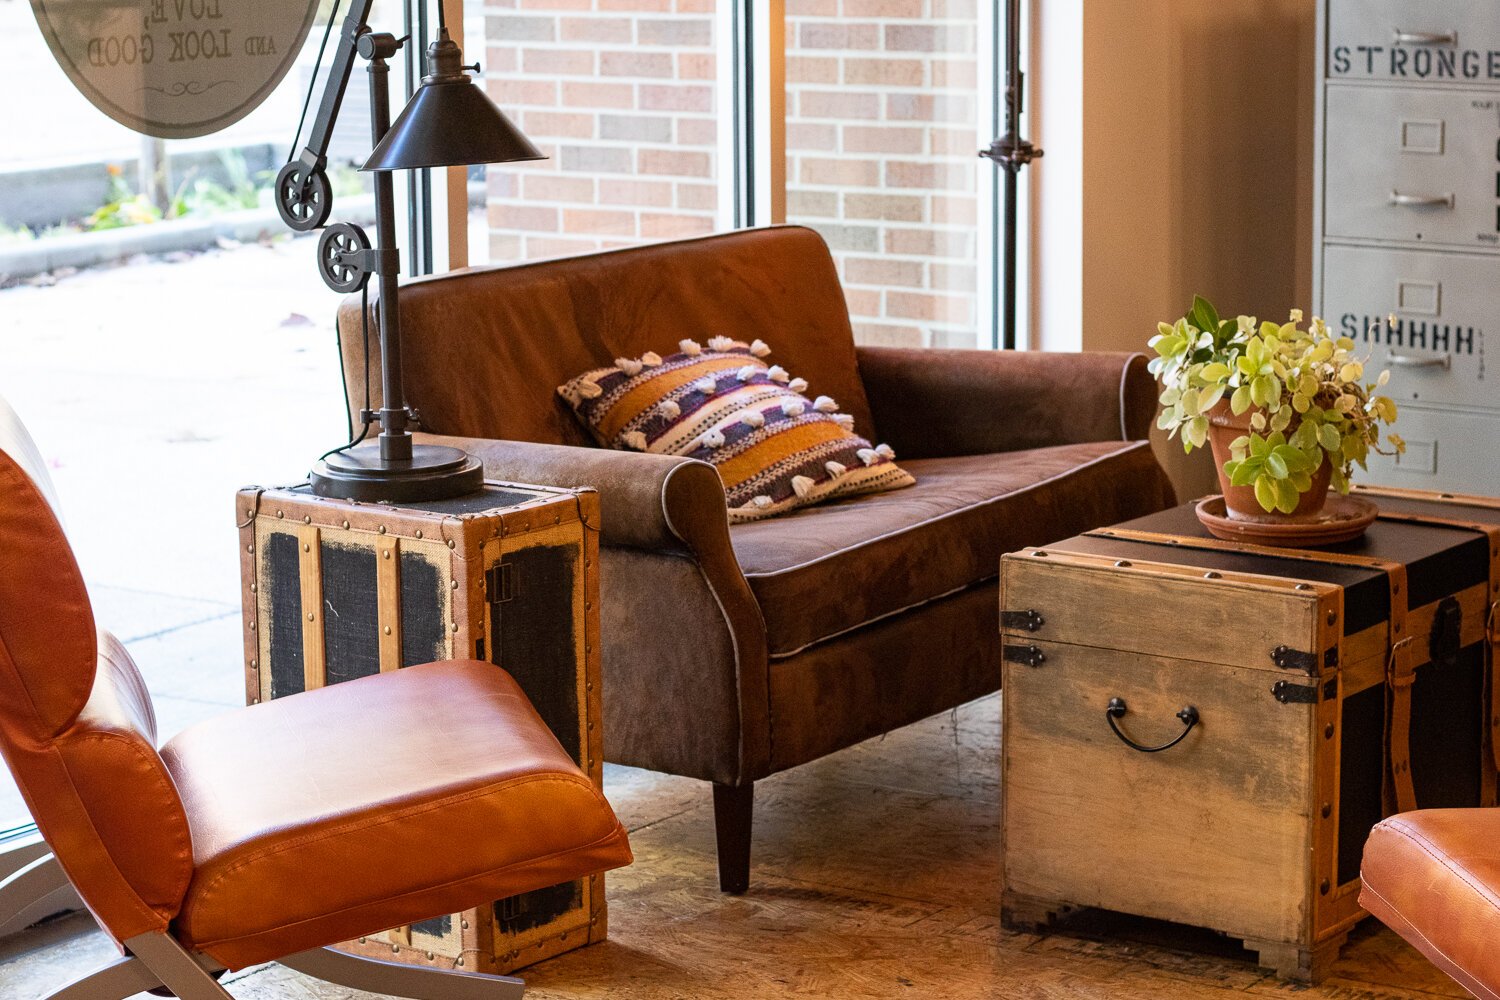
(778, 447)
(651, 391)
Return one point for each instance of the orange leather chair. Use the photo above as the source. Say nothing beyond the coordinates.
(265, 834)
(1433, 876)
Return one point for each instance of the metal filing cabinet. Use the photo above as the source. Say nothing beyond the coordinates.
(1407, 221)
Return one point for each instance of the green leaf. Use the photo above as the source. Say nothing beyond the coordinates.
(1265, 494)
(1244, 473)
(1204, 315)
(1240, 401)
(1287, 497)
(1292, 458)
(1276, 466)
(1328, 437)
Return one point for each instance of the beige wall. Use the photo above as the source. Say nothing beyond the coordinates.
(1194, 173)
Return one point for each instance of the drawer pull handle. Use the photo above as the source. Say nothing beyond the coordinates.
(1417, 361)
(1424, 37)
(1422, 200)
(1116, 709)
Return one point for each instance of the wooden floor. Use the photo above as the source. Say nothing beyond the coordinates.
(875, 876)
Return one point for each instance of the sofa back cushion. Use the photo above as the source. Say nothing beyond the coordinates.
(484, 349)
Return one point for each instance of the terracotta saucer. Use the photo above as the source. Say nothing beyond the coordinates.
(1343, 519)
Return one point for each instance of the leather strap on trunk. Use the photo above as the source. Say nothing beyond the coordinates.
(1400, 674)
(1492, 618)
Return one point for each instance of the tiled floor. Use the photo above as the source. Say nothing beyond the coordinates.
(876, 876)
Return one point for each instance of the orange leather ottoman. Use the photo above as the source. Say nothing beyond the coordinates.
(1433, 876)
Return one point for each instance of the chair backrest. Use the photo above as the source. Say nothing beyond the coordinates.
(76, 725)
(484, 349)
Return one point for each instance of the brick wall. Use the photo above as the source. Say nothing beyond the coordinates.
(881, 142)
(620, 95)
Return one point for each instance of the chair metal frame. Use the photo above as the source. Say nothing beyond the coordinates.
(154, 961)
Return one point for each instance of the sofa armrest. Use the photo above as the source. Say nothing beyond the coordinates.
(666, 538)
(652, 502)
(941, 403)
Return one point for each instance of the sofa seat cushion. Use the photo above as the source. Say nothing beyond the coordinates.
(823, 571)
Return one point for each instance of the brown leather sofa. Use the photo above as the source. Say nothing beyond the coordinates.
(733, 653)
(1433, 876)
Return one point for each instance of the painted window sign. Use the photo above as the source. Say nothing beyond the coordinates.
(175, 68)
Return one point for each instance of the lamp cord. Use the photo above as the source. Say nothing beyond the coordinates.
(312, 84)
(442, 18)
(364, 325)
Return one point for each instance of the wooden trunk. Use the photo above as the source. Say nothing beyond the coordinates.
(1331, 688)
(335, 590)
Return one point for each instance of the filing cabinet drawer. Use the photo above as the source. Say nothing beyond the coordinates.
(1437, 41)
(1418, 166)
(1443, 304)
(1450, 450)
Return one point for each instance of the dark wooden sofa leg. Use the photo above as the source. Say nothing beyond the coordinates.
(733, 807)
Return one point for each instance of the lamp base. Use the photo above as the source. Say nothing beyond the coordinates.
(434, 472)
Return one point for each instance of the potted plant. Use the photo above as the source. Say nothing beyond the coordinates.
(1287, 411)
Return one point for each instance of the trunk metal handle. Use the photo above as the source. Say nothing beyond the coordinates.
(1116, 708)
(1421, 200)
(1400, 37)
(1417, 361)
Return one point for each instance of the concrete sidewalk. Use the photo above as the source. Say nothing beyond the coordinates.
(154, 391)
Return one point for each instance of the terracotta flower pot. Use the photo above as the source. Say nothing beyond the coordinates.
(1223, 428)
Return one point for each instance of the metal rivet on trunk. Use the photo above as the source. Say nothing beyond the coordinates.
(1327, 810)
(1333, 616)
(1323, 887)
(346, 524)
(387, 630)
(309, 616)
(381, 529)
(1211, 575)
(1328, 731)
(280, 514)
(1304, 586)
(1123, 563)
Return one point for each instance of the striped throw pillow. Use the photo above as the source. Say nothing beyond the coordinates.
(775, 449)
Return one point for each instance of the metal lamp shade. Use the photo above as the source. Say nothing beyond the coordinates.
(448, 123)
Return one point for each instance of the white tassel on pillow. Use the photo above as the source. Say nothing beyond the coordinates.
(748, 372)
(793, 407)
(778, 374)
(669, 409)
(721, 344)
(797, 385)
(825, 404)
(886, 452)
(713, 439)
(762, 502)
(759, 348)
(706, 385)
(755, 419)
(835, 469)
(589, 390)
(634, 440)
(629, 366)
(844, 420)
(803, 485)
(651, 359)
(869, 456)
(690, 347)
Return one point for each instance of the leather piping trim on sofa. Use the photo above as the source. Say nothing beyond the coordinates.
(882, 617)
(734, 639)
(1125, 409)
(1127, 447)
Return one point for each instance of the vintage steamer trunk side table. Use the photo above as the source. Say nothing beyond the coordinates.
(336, 589)
(1205, 732)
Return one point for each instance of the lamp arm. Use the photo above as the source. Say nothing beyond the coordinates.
(304, 197)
